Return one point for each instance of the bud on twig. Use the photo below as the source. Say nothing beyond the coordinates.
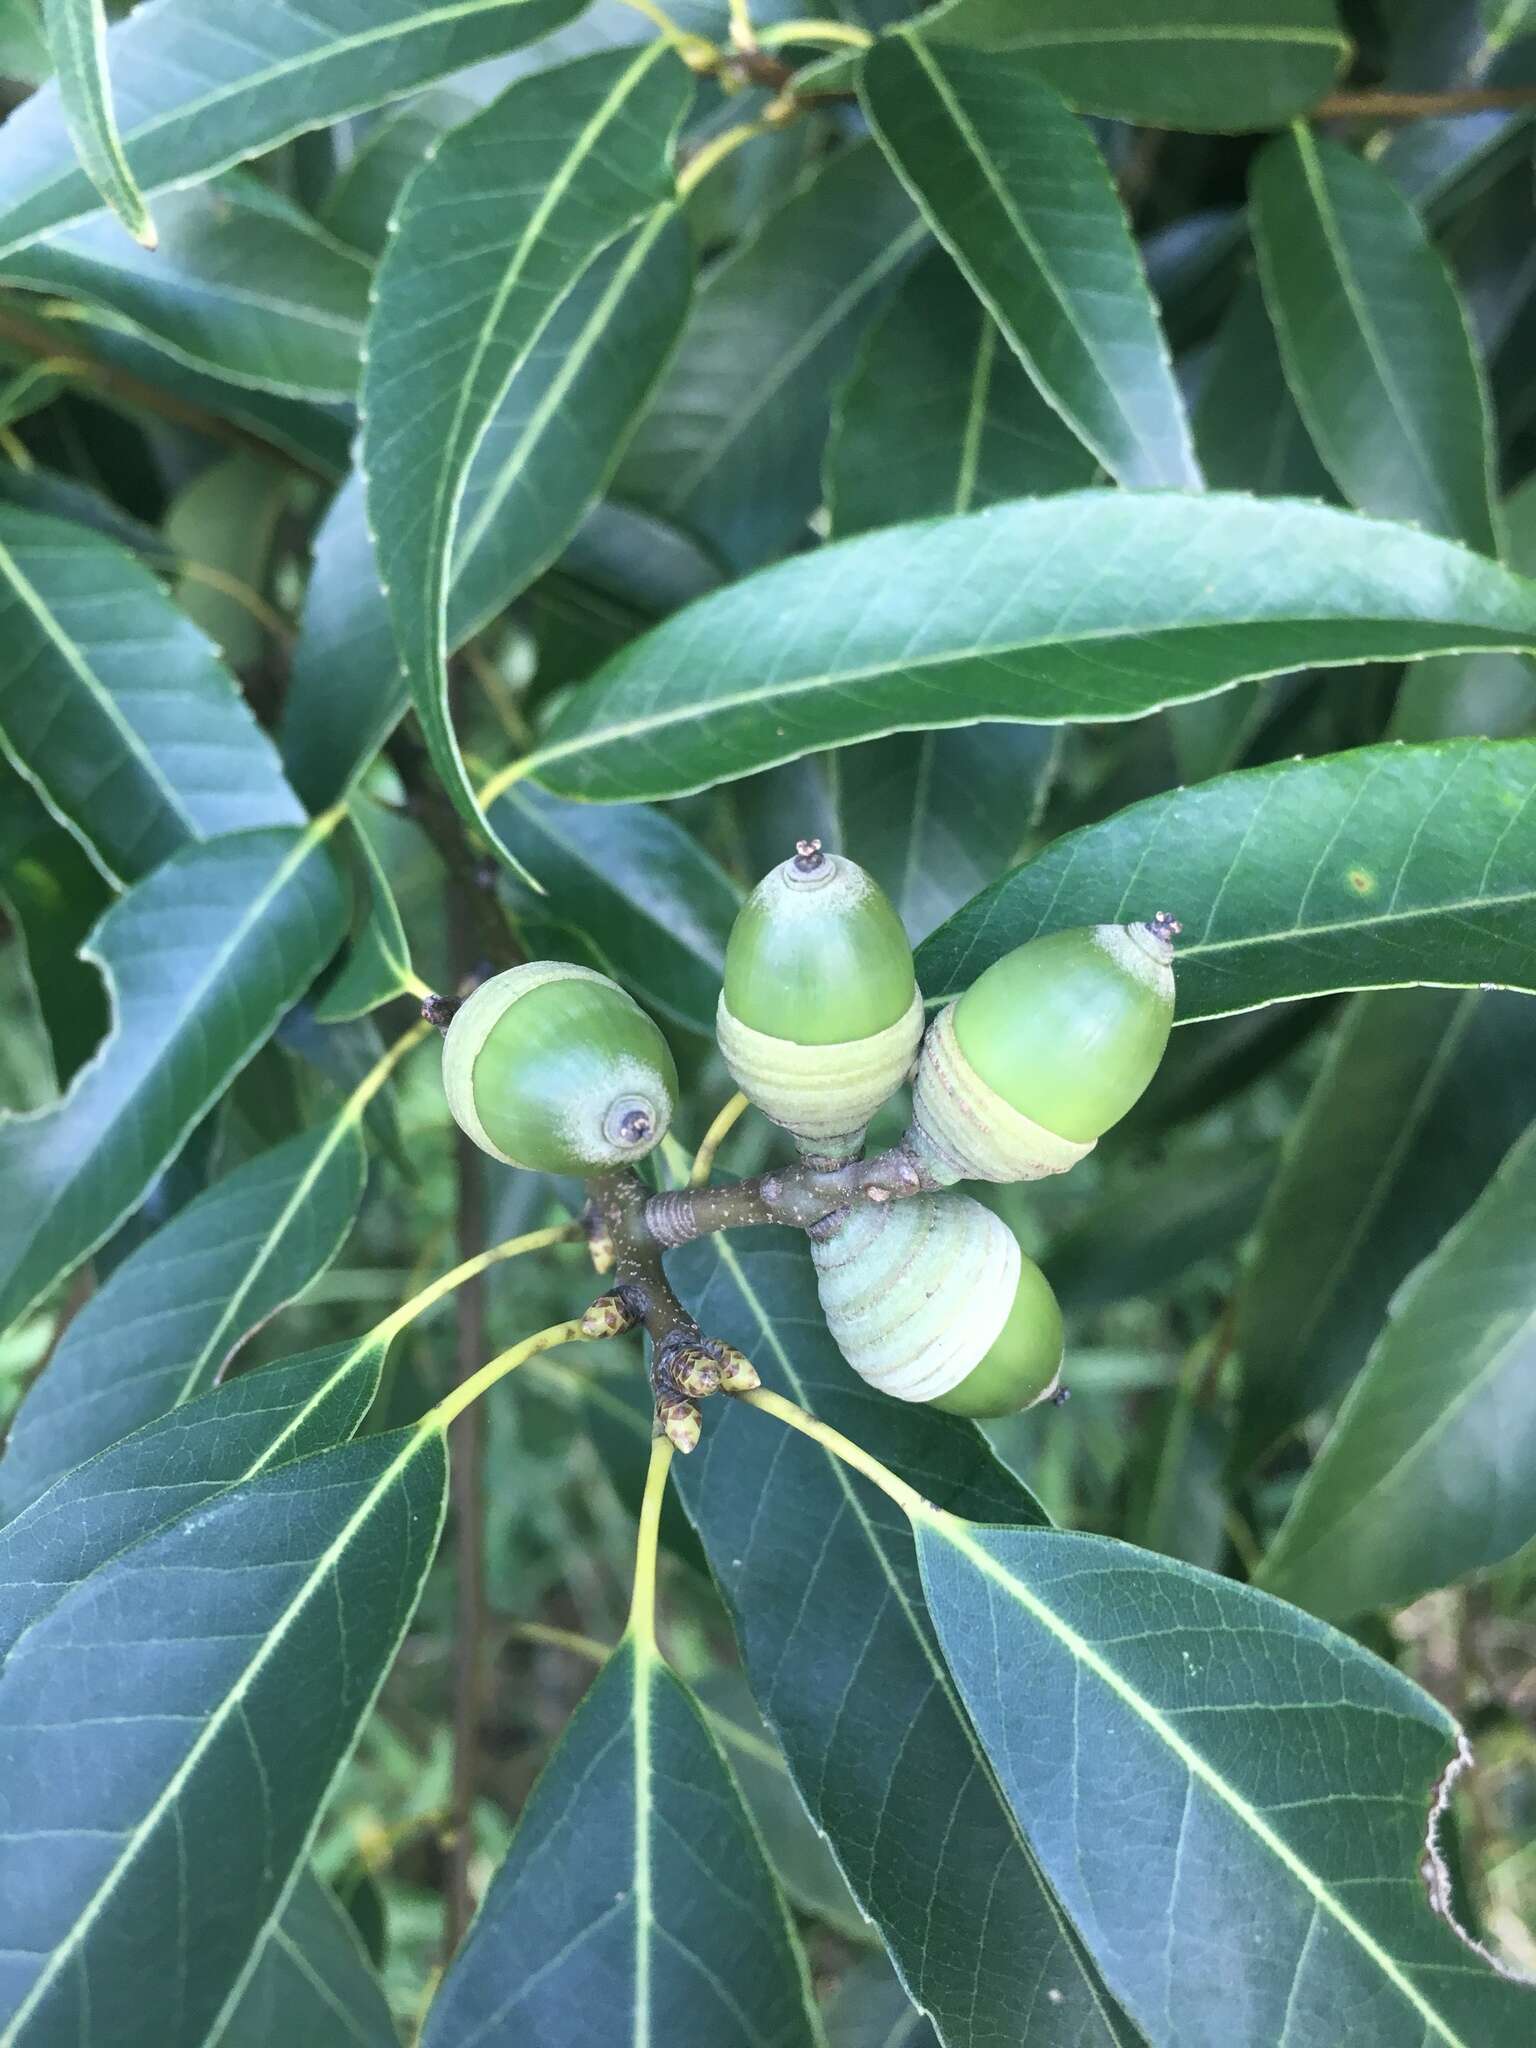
(738, 1375)
(678, 1421)
(608, 1316)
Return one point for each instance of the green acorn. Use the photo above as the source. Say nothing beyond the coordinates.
(554, 1067)
(1050, 1046)
(930, 1299)
(820, 1016)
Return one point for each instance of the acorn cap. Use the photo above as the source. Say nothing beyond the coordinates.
(554, 1067)
(1023, 1365)
(1069, 1029)
(817, 955)
(962, 1129)
(824, 1094)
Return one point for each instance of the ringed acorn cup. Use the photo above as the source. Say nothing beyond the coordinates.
(820, 1015)
(930, 1299)
(1021, 1075)
(554, 1067)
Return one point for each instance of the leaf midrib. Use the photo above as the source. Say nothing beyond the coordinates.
(951, 1529)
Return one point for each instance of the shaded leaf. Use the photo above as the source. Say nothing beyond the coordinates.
(378, 964)
(1430, 1470)
(1373, 869)
(940, 417)
(242, 82)
(1374, 339)
(634, 1904)
(1090, 606)
(1227, 65)
(178, 1720)
(820, 1577)
(1016, 190)
(312, 1982)
(654, 906)
(543, 181)
(240, 283)
(202, 959)
(871, 2010)
(221, 528)
(161, 1328)
(1493, 694)
(77, 42)
(173, 1465)
(731, 449)
(1422, 1094)
(1249, 1887)
(53, 896)
(117, 708)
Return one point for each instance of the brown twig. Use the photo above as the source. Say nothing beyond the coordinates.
(37, 338)
(1419, 106)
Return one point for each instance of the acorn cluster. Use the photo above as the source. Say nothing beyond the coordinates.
(820, 1020)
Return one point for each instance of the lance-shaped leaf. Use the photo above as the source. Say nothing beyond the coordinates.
(1373, 869)
(54, 896)
(173, 1726)
(821, 1579)
(1232, 1881)
(115, 706)
(1430, 1471)
(635, 1904)
(1374, 339)
(244, 80)
(172, 1466)
(77, 42)
(1013, 185)
(1223, 65)
(1422, 1094)
(489, 237)
(162, 1326)
(1090, 606)
(378, 963)
(202, 958)
(731, 449)
(940, 417)
(643, 893)
(935, 816)
(312, 1982)
(242, 284)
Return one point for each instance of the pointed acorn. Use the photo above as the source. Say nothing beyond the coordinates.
(554, 1067)
(1023, 1073)
(820, 1017)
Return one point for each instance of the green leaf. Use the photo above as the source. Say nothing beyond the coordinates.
(820, 1577)
(202, 958)
(171, 1467)
(1374, 339)
(241, 284)
(117, 708)
(1091, 606)
(935, 816)
(635, 1904)
(939, 416)
(312, 1982)
(1373, 869)
(651, 903)
(1427, 1474)
(1493, 694)
(1016, 190)
(870, 2010)
(179, 1719)
(1228, 1797)
(731, 450)
(378, 963)
(77, 42)
(1505, 20)
(53, 896)
(239, 86)
(540, 184)
(1223, 65)
(221, 528)
(1421, 1096)
(164, 1325)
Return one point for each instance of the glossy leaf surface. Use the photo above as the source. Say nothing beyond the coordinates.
(77, 42)
(311, 1982)
(1014, 187)
(1248, 1887)
(634, 1905)
(1428, 1472)
(203, 958)
(1373, 869)
(1091, 606)
(116, 707)
(179, 1717)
